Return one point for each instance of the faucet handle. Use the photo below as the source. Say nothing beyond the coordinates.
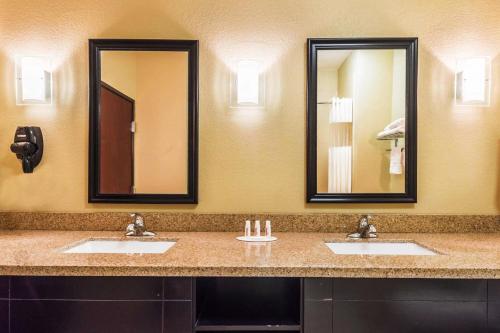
(130, 228)
(138, 227)
(138, 223)
(137, 217)
(364, 221)
(372, 231)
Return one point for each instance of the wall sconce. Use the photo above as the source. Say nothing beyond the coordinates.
(33, 80)
(247, 85)
(472, 81)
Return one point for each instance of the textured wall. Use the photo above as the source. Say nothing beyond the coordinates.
(253, 160)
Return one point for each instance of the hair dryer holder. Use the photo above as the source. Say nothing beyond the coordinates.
(28, 146)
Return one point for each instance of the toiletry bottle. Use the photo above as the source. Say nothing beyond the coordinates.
(257, 228)
(248, 228)
(268, 228)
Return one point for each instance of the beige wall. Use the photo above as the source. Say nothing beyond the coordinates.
(398, 84)
(119, 69)
(372, 111)
(160, 164)
(157, 81)
(253, 160)
(327, 88)
(397, 182)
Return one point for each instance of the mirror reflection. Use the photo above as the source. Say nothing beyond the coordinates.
(143, 122)
(361, 121)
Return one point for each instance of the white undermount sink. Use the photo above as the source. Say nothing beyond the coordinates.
(379, 248)
(121, 246)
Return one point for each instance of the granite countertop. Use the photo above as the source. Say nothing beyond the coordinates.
(471, 255)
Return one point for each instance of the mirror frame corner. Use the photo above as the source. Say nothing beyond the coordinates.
(95, 47)
(410, 44)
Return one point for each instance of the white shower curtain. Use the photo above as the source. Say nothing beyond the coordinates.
(341, 111)
(340, 151)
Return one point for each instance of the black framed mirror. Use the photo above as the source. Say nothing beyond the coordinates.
(362, 120)
(143, 129)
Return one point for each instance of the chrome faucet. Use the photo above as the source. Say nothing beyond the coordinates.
(137, 228)
(365, 229)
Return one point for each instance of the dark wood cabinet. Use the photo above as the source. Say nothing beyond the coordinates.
(318, 305)
(98, 304)
(248, 304)
(444, 290)
(4, 315)
(219, 304)
(409, 316)
(62, 316)
(175, 289)
(318, 316)
(4, 303)
(494, 305)
(399, 305)
(178, 317)
(87, 288)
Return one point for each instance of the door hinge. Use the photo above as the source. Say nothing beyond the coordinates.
(133, 189)
(132, 127)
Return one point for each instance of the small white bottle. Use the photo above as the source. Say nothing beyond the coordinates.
(268, 228)
(248, 228)
(257, 228)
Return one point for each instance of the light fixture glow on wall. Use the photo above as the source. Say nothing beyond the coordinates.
(473, 81)
(247, 85)
(33, 80)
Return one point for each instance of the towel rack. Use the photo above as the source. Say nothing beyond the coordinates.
(395, 142)
(402, 149)
(394, 136)
(324, 103)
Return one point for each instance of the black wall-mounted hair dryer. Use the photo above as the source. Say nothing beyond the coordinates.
(28, 147)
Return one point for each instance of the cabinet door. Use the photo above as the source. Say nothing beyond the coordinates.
(178, 305)
(318, 317)
(4, 304)
(178, 317)
(75, 316)
(318, 306)
(409, 305)
(4, 315)
(178, 288)
(409, 316)
(494, 305)
(99, 304)
(93, 288)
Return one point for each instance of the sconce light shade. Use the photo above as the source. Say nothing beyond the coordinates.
(247, 85)
(248, 82)
(472, 81)
(33, 80)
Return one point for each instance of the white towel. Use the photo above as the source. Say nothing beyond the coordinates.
(341, 110)
(396, 129)
(398, 123)
(396, 163)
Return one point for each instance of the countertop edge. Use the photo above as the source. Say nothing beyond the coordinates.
(302, 272)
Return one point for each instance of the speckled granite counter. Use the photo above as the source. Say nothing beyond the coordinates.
(220, 254)
(194, 222)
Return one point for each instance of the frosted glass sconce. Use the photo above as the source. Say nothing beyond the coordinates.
(247, 85)
(472, 81)
(33, 80)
